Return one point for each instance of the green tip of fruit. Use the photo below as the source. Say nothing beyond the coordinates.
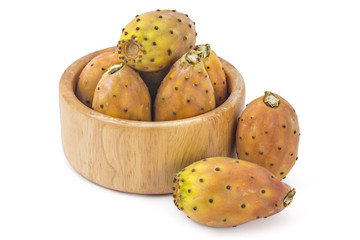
(115, 68)
(289, 197)
(203, 50)
(192, 57)
(271, 99)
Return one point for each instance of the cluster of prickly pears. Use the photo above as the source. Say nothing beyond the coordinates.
(222, 192)
(158, 49)
(157, 62)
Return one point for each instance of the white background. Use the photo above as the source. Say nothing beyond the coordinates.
(306, 51)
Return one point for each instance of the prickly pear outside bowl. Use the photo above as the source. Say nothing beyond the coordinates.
(143, 157)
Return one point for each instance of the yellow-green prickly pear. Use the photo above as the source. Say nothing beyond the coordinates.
(122, 93)
(224, 192)
(91, 74)
(216, 72)
(156, 39)
(186, 90)
(268, 134)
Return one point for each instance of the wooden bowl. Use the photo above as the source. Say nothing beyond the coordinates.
(143, 157)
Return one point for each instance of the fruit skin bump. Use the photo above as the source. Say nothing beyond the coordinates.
(186, 90)
(268, 134)
(216, 72)
(156, 39)
(225, 192)
(91, 74)
(122, 93)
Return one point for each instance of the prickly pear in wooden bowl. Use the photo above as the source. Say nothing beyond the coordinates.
(140, 156)
(132, 116)
(155, 40)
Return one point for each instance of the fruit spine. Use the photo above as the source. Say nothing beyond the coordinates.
(268, 134)
(156, 39)
(186, 90)
(122, 93)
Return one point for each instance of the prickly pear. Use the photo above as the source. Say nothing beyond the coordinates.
(186, 90)
(156, 39)
(91, 74)
(224, 192)
(122, 93)
(268, 134)
(216, 72)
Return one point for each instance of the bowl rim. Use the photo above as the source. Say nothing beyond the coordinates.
(70, 75)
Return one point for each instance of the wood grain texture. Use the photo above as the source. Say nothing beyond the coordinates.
(143, 157)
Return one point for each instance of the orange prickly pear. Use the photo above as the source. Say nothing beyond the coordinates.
(156, 39)
(122, 93)
(91, 74)
(224, 192)
(216, 72)
(268, 134)
(186, 90)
